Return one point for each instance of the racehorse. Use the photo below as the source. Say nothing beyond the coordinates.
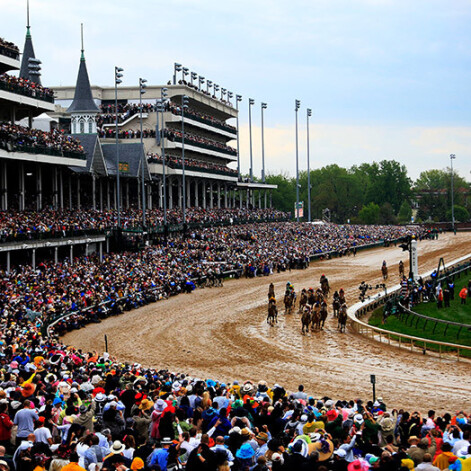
(302, 300)
(401, 269)
(306, 319)
(271, 291)
(342, 318)
(272, 317)
(336, 304)
(325, 286)
(342, 296)
(289, 301)
(323, 314)
(384, 271)
(316, 317)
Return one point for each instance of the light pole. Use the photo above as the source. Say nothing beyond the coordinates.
(452, 157)
(142, 86)
(200, 82)
(263, 107)
(117, 81)
(163, 95)
(223, 93)
(238, 100)
(209, 84)
(251, 102)
(216, 89)
(230, 95)
(297, 105)
(308, 115)
(176, 68)
(185, 102)
(193, 76)
(185, 72)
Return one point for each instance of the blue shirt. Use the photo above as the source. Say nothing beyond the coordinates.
(160, 457)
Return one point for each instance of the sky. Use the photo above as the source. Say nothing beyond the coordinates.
(385, 79)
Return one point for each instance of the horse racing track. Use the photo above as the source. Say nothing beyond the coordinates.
(222, 333)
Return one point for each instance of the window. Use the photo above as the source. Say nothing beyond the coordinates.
(82, 127)
(90, 126)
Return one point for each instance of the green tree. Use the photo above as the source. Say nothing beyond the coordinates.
(285, 196)
(405, 212)
(461, 214)
(386, 214)
(369, 214)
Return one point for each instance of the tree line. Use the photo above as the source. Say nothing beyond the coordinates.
(375, 193)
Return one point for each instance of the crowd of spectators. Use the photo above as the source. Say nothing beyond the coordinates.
(190, 164)
(25, 87)
(9, 49)
(195, 139)
(14, 137)
(197, 115)
(64, 408)
(110, 133)
(125, 111)
(61, 223)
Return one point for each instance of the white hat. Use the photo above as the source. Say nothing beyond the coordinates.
(358, 419)
(117, 447)
(341, 453)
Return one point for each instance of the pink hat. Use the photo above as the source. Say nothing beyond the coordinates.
(359, 465)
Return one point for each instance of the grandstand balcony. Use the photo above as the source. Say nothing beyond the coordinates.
(200, 148)
(9, 59)
(206, 125)
(156, 168)
(43, 155)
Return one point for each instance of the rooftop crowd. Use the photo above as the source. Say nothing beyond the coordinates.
(110, 133)
(26, 87)
(19, 138)
(204, 92)
(9, 49)
(172, 160)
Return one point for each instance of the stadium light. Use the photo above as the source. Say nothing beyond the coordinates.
(251, 102)
(216, 89)
(163, 96)
(452, 157)
(176, 68)
(142, 87)
(34, 67)
(209, 84)
(263, 106)
(185, 72)
(117, 80)
(238, 100)
(193, 76)
(185, 101)
(297, 105)
(200, 81)
(308, 115)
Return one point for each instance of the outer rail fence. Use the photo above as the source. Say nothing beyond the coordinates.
(157, 292)
(397, 339)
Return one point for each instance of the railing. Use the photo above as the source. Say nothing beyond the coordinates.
(46, 151)
(357, 311)
(209, 122)
(53, 234)
(196, 168)
(25, 91)
(6, 51)
(202, 145)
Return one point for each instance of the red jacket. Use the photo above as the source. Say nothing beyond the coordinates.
(5, 427)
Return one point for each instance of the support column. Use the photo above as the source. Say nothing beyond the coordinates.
(197, 199)
(39, 187)
(21, 185)
(100, 248)
(180, 193)
(101, 193)
(71, 255)
(139, 197)
(265, 197)
(8, 262)
(70, 192)
(240, 198)
(33, 259)
(61, 189)
(78, 191)
(115, 195)
(271, 195)
(55, 189)
(247, 198)
(56, 254)
(225, 196)
(259, 199)
(108, 196)
(203, 189)
(170, 193)
(127, 194)
(161, 193)
(188, 195)
(219, 195)
(211, 199)
(4, 186)
(93, 191)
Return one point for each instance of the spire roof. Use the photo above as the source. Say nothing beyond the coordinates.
(28, 53)
(83, 98)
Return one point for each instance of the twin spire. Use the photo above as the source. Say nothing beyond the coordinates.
(28, 52)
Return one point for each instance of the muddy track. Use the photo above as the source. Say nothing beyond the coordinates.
(221, 333)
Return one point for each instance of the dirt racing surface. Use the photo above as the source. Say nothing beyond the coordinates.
(221, 333)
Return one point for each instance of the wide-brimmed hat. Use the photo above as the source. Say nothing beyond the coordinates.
(299, 446)
(137, 464)
(117, 447)
(160, 405)
(358, 418)
(340, 452)
(166, 441)
(413, 438)
(4, 463)
(358, 465)
(262, 436)
(100, 397)
(324, 447)
(28, 390)
(146, 404)
(245, 452)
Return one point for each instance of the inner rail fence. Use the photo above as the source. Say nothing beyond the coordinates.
(404, 341)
